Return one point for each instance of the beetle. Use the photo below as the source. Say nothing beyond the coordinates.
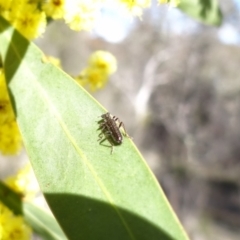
(109, 127)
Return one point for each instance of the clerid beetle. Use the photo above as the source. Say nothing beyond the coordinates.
(110, 128)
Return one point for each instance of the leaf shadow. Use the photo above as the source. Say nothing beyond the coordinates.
(15, 53)
(96, 220)
(3, 26)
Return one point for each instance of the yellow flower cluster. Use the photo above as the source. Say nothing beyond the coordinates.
(25, 16)
(101, 65)
(13, 227)
(81, 15)
(10, 138)
(24, 182)
(30, 16)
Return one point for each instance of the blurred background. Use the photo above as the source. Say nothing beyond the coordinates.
(177, 90)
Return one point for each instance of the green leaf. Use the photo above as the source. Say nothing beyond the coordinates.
(93, 194)
(205, 11)
(41, 222)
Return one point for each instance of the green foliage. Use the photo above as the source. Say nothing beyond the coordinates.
(92, 194)
(206, 11)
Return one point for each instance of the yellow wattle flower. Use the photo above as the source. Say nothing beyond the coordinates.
(54, 8)
(81, 15)
(10, 138)
(4, 6)
(13, 227)
(24, 182)
(101, 65)
(103, 60)
(29, 21)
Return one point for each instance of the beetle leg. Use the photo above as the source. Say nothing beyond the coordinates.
(111, 147)
(100, 136)
(125, 132)
(115, 118)
(107, 133)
